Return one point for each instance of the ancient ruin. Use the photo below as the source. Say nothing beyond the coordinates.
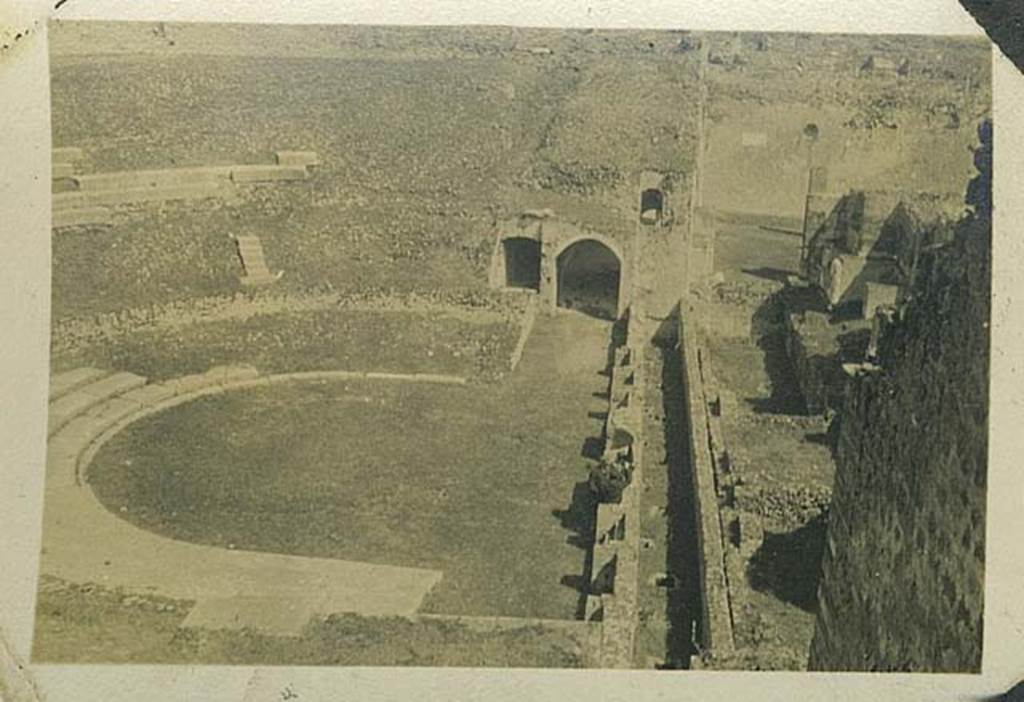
(515, 347)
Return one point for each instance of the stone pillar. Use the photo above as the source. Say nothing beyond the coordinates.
(548, 275)
(818, 182)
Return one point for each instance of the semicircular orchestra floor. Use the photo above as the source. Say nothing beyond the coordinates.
(480, 482)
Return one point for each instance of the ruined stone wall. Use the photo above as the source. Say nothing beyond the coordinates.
(614, 557)
(818, 368)
(715, 630)
(903, 573)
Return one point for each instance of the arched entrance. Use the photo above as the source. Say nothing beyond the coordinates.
(522, 262)
(588, 276)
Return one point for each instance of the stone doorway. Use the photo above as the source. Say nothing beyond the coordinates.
(588, 279)
(522, 263)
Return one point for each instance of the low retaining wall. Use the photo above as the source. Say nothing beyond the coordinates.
(91, 195)
(716, 636)
(529, 319)
(615, 549)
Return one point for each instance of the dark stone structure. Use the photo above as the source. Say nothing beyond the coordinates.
(903, 573)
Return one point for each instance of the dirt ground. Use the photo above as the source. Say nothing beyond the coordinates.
(88, 623)
(779, 454)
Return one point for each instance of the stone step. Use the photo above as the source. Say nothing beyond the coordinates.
(297, 158)
(260, 173)
(80, 400)
(254, 265)
(67, 154)
(81, 216)
(164, 178)
(254, 262)
(251, 251)
(63, 383)
(91, 199)
(62, 170)
(268, 615)
(260, 279)
(218, 375)
(109, 412)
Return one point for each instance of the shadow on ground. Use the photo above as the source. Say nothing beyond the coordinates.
(767, 324)
(683, 604)
(578, 518)
(788, 565)
(777, 275)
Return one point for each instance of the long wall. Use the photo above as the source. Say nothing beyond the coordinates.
(716, 636)
(903, 573)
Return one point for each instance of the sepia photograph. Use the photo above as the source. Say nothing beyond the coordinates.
(508, 347)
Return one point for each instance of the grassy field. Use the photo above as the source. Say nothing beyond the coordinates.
(461, 479)
(328, 339)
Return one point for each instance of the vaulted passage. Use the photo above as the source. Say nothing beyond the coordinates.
(522, 263)
(588, 279)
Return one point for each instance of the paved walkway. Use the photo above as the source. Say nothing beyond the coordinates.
(84, 542)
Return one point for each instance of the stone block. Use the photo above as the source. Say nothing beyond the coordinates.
(110, 412)
(63, 383)
(80, 217)
(153, 179)
(150, 395)
(65, 443)
(611, 525)
(262, 278)
(215, 376)
(623, 356)
(114, 385)
(67, 154)
(187, 384)
(754, 139)
(728, 405)
(267, 174)
(268, 615)
(231, 374)
(127, 196)
(78, 401)
(62, 170)
(751, 532)
(303, 159)
(603, 571)
(819, 179)
(418, 377)
(877, 295)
